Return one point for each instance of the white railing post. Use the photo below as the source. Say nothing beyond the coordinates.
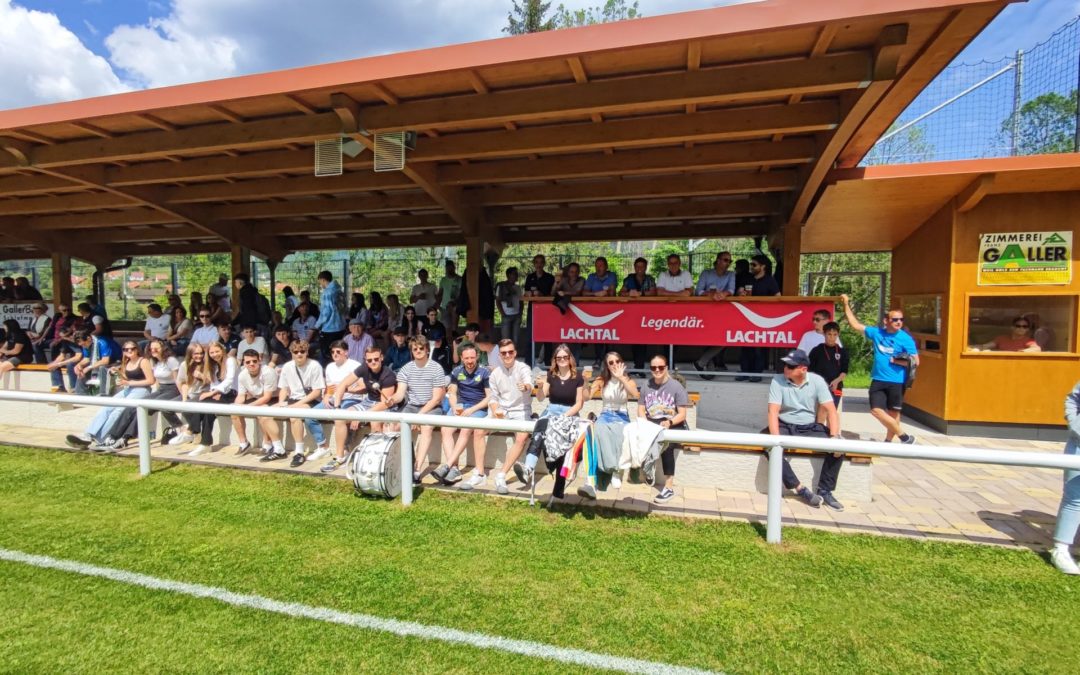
(776, 491)
(406, 464)
(142, 417)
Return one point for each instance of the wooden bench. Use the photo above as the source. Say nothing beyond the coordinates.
(24, 368)
(854, 458)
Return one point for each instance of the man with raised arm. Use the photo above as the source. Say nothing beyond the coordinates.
(894, 352)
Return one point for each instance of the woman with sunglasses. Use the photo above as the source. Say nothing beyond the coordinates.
(664, 401)
(165, 367)
(615, 388)
(563, 386)
(136, 376)
(1021, 339)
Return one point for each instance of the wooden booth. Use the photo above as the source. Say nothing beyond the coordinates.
(978, 246)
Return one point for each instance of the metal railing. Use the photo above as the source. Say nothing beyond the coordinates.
(775, 444)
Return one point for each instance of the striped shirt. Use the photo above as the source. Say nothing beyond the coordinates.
(420, 383)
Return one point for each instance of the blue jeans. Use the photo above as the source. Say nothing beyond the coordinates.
(1068, 519)
(554, 409)
(613, 417)
(106, 417)
(314, 428)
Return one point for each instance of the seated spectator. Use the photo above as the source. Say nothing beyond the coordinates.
(156, 326)
(38, 331)
(1021, 339)
(440, 351)
(180, 331)
(358, 308)
(374, 385)
(339, 368)
(300, 385)
(256, 387)
(564, 388)
(62, 319)
(291, 301)
(399, 353)
(472, 331)
(251, 340)
(135, 377)
(410, 323)
(226, 337)
(830, 361)
(98, 354)
(615, 389)
(195, 303)
(7, 289)
(207, 332)
(24, 291)
(165, 367)
(469, 393)
(421, 388)
(66, 354)
(357, 341)
(221, 375)
(303, 327)
(279, 347)
(664, 401)
(219, 294)
(394, 312)
(378, 323)
(489, 350)
(93, 321)
(192, 380)
(96, 306)
(511, 398)
(816, 335)
(218, 314)
(174, 301)
(795, 397)
(430, 323)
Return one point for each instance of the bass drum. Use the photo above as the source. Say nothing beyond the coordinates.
(375, 465)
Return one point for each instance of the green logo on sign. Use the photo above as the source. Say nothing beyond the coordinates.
(1055, 238)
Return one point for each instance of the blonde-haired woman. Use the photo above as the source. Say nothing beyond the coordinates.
(136, 376)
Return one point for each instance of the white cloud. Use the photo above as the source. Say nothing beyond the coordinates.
(41, 61)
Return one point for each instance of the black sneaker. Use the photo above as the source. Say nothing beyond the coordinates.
(809, 497)
(741, 378)
(907, 439)
(698, 367)
(664, 496)
(440, 473)
(77, 441)
(830, 501)
(297, 460)
(755, 379)
(648, 471)
(168, 435)
(273, 456)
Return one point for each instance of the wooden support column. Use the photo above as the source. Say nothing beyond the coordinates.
(474, 260)
(241, 262)
(61, 279)
(792, 259)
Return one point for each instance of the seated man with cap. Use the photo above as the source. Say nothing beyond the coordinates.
(795, 397)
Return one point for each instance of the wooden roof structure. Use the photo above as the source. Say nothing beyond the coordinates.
(875, 208)
(718, 122)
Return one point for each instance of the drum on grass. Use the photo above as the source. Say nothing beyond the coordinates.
(375, 465)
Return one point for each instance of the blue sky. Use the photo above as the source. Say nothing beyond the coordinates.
(61, 49)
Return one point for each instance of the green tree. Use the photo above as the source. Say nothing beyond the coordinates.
(611, 10)
(1046, 125)
(529, 16)
(910, 145)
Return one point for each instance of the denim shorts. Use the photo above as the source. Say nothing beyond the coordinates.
(554, 410)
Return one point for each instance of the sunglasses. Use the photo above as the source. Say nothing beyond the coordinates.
(658, 369)
(614, 363)
(204, 316)
(562, 357)
(300, 353)
(374, 360)
(1021, 325)
(252, 363)
(511, 353)
(130, 349)
(896, 319)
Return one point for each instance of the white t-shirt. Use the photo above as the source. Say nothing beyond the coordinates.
(504, 387)
(255, 387)
(163, 370)
(258, 345)
(811, 339)
(675, 284)
(425, 294)
(299, 382)
(158, 327)
(335, 374)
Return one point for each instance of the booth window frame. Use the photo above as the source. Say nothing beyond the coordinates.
(965, 346)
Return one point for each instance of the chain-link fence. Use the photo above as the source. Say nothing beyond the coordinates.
(1023, 104)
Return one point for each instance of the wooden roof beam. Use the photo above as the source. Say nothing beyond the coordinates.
(629, 232)
(346, 225)
(266, 163)
(83, 201)
(366, 181)
(715, 85)
(88, 221)
(974, 193)
(18, 231)
(754, 206)
(323, 207)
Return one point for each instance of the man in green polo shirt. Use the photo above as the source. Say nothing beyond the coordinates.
(795, 397)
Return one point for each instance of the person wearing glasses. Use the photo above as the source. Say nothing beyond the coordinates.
(615, 388)
(664, 401)
(339, 368)
(422, 386)
(762, 283)
(373, 385)
(469, 393)
(1021, 339)
(165, 367)
(894, 351)
(511, 399)
(564, 388)
(256, 387)
(816, 335)
(717, 283)
(207, 332)
(300, 385)
(136, 376)
(180, 331)
(796, 399)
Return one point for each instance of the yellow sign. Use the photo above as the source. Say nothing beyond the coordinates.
(1025, 258)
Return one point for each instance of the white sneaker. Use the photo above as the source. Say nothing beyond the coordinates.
(1064, 561)
(181, 439)
(500, 485)
(475, 482)
(199, 449)
(616, 482)
(320, 452)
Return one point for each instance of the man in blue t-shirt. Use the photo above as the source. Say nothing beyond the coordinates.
(894, 353)
(468, 392)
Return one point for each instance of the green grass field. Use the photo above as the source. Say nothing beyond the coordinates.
(704, 594)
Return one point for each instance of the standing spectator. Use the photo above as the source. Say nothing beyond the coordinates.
(752, 359)
(664, 401)
(357, 341)
(305, 296)
(256, 386)
(743, 278)
(486, 296)
(570, 283)
(291, 301)
(300, 385)
(508, 294)
(156, 326)
(303, 328)
(24, 291)
(331, 323)
(1068, 516)
(718, 283)
(247, 310)
(7, 289)
(602, 282)
(816, 335)
(220, 292)
(894, 353)
(674, 280)
(539, 283)
(449, 290)
(17, 350)
(97, 307)
(39, 330)
(180, 332)
(636, 285)
(218, 314)
(830, 361)
(423, 294)
(94, 322)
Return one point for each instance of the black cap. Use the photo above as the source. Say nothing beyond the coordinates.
(796, 357)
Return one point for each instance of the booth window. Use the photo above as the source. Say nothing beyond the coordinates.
(922, 313)
(1008, 323)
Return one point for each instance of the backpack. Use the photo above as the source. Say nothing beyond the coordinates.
(263, 312)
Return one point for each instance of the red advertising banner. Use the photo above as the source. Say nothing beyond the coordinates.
(726, 323)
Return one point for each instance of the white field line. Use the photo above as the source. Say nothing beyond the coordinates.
(538, 650)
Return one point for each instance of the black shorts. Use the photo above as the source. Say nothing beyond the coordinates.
(886, 395)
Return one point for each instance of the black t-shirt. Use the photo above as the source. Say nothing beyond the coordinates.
(829, 362)
(441, 356)
(564, 392)
(766, 285)
(374, 383)
(542, 283)
(27, 353)
(281, 350)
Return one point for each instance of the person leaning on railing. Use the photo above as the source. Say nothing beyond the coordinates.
(1068, 517)
(136, 376)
